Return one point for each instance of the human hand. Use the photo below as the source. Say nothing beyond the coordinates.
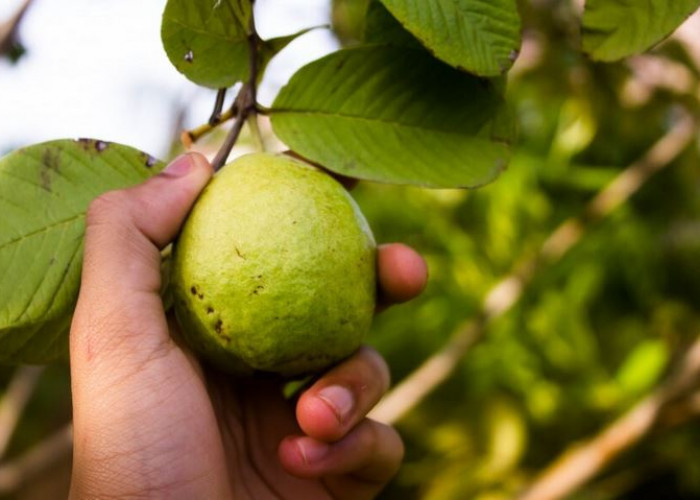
(151, 421)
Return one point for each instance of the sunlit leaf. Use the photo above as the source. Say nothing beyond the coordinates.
(479, 36)
(207, 41)
(397, 115)
(642, 367)
(44, 193)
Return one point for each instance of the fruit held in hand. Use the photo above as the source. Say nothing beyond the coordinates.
(274, 269)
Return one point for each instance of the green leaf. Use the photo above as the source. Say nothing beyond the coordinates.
(383, 28)
(479, 36)
(270, 48)
(642, 367)
(397, 115)
(207, 41)
(614, 29)
(45, 190)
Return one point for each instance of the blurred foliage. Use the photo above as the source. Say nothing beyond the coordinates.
(595, 331)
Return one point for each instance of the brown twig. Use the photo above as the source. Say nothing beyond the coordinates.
(8, 29)
(582, 462)
(508, 291)
(215, 117)
(189, 137)
(35, 461)
(246, 99)
(13, 403)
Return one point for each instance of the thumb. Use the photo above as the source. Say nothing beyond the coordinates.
(125, 231)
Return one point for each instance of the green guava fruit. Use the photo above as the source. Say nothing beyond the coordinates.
(274, 269)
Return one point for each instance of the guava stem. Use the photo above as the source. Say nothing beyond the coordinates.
(246, 101)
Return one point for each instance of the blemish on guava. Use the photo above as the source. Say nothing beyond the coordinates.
(239, 253)
(210, 310)
(100, 146)
(218, 326)
(257, 289)
(193, 290)
(189, 56)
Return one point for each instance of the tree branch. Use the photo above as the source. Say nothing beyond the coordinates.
(580, 463)
(35, 461)
(246, 99)
(15, 400)
(215, 117)
(8, 29)
(508, 291)
(188, 137)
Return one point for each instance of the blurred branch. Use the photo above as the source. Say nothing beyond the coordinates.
(508, 291)
(428, 376)
(16, 398)
(687, 35)
(35, 461)
(681, 412)
(8, 29)
(580, 463)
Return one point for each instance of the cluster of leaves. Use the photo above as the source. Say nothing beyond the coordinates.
(418, 97)
(405, 106)
(594, 332)
(417, 100)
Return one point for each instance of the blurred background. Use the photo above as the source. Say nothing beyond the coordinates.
(557, 334)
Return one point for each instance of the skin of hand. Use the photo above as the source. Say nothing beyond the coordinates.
(151, 421)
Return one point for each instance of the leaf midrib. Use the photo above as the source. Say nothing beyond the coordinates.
(41, 230)
(397, 124)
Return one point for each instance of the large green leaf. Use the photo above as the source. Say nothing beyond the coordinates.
(479, 36)
(207, 40)
(395, 114)
(614, 29)
(45, 190)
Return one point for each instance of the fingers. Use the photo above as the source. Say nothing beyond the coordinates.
(357, 466)
(121, 270)
(340, 399)
(354, 455)
(402, 274)
(137, 400)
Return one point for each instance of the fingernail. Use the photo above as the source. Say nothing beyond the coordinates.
(311, 451)
(339, 399)
(179, 167)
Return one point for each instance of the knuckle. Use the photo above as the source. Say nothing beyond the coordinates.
(106, 208)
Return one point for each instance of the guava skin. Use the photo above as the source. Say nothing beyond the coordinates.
(274, 269)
